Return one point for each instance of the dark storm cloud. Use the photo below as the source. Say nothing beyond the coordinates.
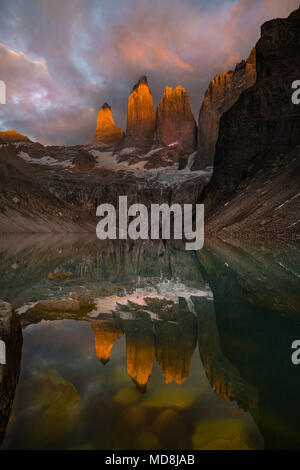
(62, 60)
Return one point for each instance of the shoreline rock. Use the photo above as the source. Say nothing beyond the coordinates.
(11, 335)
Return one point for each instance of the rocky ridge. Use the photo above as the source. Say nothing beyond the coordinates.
(255, 184)
(223, 92)
(13, 136)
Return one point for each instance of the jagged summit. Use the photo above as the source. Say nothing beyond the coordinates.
(106, 106)
(143, 80)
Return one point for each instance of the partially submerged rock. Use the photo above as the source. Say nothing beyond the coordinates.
(11, 337)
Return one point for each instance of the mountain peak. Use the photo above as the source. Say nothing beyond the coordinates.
(12, 136)
(106, 106)
(140, 116)
(107, 132)
(175, 120)
(141, 81)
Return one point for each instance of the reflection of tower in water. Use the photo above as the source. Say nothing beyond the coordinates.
(106, 333)
(170, 339)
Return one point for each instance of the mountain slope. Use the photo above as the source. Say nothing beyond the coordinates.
(25, 206)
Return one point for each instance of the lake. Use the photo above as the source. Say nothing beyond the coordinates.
(174, 349)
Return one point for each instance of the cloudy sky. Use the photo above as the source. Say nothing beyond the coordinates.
(62, 59)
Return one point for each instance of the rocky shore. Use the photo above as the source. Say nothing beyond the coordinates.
(11, 336)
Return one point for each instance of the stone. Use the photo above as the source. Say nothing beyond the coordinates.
(84, 162)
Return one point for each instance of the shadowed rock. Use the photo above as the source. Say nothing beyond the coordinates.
(259, 140)
(176, 341)
(27, 206)
(222, 93)
(175, 121)
(11, 336)
(84, 162)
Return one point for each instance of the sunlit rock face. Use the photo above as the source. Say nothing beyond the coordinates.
(107, 133)
(11, 336)
(13, 136)
(106, 334)
(140, 359)
(222, 93)
(141, 116)
(175, 121)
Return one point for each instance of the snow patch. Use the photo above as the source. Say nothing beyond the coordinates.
(152, 152)
(127, 151)
(46, 160)
(286, 202)
(25, 308)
